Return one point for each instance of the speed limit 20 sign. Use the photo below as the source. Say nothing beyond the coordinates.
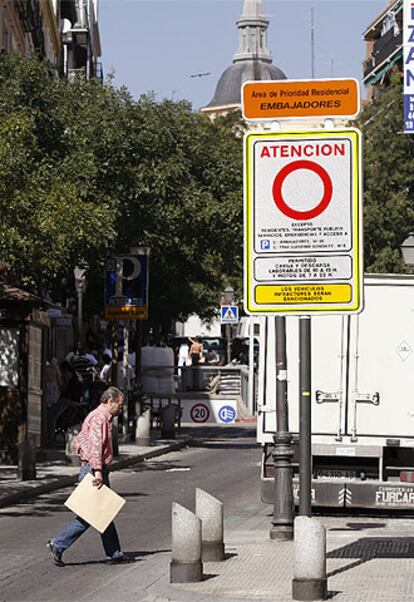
(303, 222)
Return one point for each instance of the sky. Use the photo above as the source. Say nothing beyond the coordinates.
(158, 45)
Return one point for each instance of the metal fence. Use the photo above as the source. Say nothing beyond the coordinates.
(217, 380)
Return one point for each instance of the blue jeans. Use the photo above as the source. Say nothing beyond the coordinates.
(78, 526)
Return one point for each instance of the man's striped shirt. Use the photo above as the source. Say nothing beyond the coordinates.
(94, 442)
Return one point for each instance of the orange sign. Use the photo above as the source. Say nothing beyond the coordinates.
(125, 312)
(291, 99)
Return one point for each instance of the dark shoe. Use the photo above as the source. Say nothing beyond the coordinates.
(119, 558)
(56, 554)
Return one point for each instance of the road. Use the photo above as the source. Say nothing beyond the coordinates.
(227, 466)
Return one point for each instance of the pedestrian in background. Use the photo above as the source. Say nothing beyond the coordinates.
(183, 355)
(84, 365)
(94, 447)
(196, 351)
(196, 356)
(105, 373)
(53, 381)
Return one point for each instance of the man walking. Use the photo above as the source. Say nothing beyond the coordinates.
(94, 447)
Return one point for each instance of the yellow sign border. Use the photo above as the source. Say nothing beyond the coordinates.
(356, 305)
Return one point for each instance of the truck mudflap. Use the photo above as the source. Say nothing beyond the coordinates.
(351, 494)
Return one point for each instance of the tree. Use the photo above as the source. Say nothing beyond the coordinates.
(85, 170)
(388, 180)
(185, 199)
(53, 210)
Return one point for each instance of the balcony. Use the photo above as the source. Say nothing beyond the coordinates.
(384, 48)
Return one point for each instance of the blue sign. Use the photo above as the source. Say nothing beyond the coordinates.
(126, 287)
(227, 414)
(408, 62)
(229, 314)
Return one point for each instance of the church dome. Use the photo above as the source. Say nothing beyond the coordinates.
(252, 61)
(228, 90)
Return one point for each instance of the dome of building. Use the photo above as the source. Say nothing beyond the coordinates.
(228, 90)
(252, 61)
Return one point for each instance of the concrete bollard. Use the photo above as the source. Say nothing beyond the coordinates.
(210, 511)
(71, 457)
(142, 433)
(309, 582)
(186, 565)
(168, 415)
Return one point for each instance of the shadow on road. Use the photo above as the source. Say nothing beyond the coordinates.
(224, 445)
(157, 466)
(208, 576)
(359, 526)
(34, 508)
(137, 556)
(369, 548)
(142, 553)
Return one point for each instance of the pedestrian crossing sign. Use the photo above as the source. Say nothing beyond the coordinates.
(229, 314)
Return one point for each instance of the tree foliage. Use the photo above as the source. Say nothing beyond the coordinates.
(86, 169)
(388, 180)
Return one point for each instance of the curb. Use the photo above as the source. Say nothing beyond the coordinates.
(61, 483)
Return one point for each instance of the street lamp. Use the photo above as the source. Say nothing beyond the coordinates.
(140, 248)
(228, 296)
(407, 249)
(79, 273)
(142, 432)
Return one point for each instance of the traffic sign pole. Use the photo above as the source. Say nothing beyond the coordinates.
(303, 244)
(228, 336)
(305, 417)
(283, 509)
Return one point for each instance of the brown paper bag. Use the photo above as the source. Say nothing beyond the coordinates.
(98, 506)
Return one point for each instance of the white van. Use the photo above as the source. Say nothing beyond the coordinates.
(362, 400)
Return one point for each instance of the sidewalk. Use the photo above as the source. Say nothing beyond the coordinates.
(368, 560)
(55, 474)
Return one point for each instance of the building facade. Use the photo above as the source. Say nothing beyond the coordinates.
(384, 47)
(81, 40)
(63, 32)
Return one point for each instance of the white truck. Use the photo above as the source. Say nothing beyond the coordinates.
(362, 400)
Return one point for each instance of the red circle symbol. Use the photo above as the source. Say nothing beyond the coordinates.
(280, 201)
(199, 413)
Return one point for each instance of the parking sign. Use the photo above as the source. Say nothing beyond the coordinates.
(126, 287)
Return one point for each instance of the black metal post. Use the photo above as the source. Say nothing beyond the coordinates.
(127, 388)
(114, 382)
(305, 434)
(80, 317)
(283, 509)
(114, 343)
(138, 360)
(228, 334)
(136, 406)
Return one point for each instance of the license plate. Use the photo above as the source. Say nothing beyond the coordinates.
(335, 473)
